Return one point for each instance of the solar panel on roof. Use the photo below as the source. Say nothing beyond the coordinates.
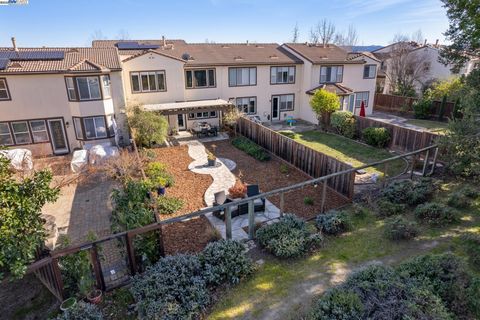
(32, 55)
(133, 45)
(3, 63)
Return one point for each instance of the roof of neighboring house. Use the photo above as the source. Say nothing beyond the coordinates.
(209, 54)
(319, 54)
(58, 60)
(332, 87)
(354, 55)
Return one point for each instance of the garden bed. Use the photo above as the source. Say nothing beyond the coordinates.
(269, 177)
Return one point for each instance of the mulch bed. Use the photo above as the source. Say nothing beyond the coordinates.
(268, 176)
(192, 235)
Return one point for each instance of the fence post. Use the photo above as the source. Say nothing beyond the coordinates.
(131, 254)
(251, 220)
(97, 268)
(434, 164)
(282, 204)
(58, 277)
(425, 163)
(228, 222)
(324, 194)
(414, 160)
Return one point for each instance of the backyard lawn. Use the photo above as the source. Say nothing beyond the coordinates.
(432, 126)
(349, 151)
(284, 289)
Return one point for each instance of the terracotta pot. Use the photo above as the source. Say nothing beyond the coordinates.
(95, 296)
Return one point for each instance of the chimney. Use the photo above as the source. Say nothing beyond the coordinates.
(164, 41)
(425, 42)
(436, 43)
(247, 43)
(14, 44)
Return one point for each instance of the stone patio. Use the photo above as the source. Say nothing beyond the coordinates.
(299, 126)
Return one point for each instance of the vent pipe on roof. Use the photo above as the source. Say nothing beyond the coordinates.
(164, 41)
(247, 43)
(436, 43)
(14, 44)
(425, 42)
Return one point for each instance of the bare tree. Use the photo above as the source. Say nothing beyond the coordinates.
(313, 36)
(418, 37)
(97, 35)
(323, 32)
(295, 33)
(122, 35)
(348, 38)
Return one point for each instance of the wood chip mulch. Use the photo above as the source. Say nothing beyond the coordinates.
(192, 235)
(268, 176)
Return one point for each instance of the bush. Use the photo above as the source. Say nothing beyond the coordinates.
(250, 148)
(421, 108)
(239, 190)
(344, 123)
(289, 134)
(82, 311)
(471, 243)
(173, 288)
(459, 200)
(435, 214)
(333, 222)
(290, 237)
(284, 169)
(470, 192)
(308, 201)
(387, 208)
(150, 127)
(408, 191)
(359, 211)
(398, 228)
(158, 175)
(169, 205)
(225, 261)
(377, 137)
(473, 292)
(338, 304)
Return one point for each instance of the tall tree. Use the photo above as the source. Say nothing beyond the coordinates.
(463, 32)
(323, 32)
(348, 38)
(295, 33)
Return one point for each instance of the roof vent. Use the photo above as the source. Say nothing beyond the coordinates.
(237, 58)
(225, 46)
(74, 50)
(186, 56)
(16, 65)
(273, 57)
(259, 46)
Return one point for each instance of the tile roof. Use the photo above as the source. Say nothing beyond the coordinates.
(215, 54)
(332, 87)
(75, 60)
(318, 54)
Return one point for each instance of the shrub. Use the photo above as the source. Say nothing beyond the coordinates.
(470, 192)
(225, 261)
(473, 292)
(344, 123)
(251, 148)
(284, 169)
(338, 304)
(169, 205)
(359, 211)
(173, 288)
(458, 200)
(323, 103)
(82, 311)
(421, 108)
(239, 190)
(290, 237)
(398, 228)
(333, 222)
(158, 175)
(377, 137)
(290, 134)
(149, 127)
(308, 201)
(471, 243)
(435, 214)
(387, 208)
(408, 191)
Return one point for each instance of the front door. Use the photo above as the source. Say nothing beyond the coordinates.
(58, 136)
(181, 122)
(275, 108)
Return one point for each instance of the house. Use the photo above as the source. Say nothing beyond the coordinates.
(53, 100)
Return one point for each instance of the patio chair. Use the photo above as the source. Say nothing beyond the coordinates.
(213, 131)
(220, 198)
(204, 132)
(258, 204)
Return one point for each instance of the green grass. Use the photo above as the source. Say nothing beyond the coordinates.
(349, 151)
(432, 126)
(276, 280)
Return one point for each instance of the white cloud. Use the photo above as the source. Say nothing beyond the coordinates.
(358, 8)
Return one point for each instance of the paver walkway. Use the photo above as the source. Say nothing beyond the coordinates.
(395, 120)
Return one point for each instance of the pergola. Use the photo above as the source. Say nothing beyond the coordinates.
(189, 106)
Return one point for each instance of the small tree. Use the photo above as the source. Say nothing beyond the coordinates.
(22, 228)
(323, 103)
(149, 127)
(230, 118)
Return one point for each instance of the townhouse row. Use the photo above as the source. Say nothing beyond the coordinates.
(54, 100)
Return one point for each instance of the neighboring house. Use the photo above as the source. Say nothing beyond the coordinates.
(53, 100)
(431, 68)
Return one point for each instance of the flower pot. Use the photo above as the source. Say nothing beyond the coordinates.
(68, 304)
(95, 296)
(161, 191)
(212, 162)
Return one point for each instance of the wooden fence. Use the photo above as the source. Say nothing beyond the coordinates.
(402, 139)
(310, 161)
(399, 104)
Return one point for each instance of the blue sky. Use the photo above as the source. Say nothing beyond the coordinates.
(73, 22)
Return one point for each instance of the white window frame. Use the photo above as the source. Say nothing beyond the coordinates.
(338, 74)
(72, 93)
(77, 123)
(234, 73)
(360, 96)
(21, 132)
(9, 133)
(369, 75)
(207, 74)
(39, 131)
(97, 136)
(106, 86)
(285, 71)
(243, 103)
(4, 89)
(89, 88)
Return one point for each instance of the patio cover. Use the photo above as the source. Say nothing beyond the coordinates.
(332, 87)
(189, 106)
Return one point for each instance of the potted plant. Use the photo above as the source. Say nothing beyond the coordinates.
(87, 289)
(161, 185)
(94, 296)
(239, 190)
(212, 160)
(68, 304)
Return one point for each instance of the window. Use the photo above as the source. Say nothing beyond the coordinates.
(286, 102)
(151, 81)
(331, 74)
(95, 127)
(361, 96)
(4, 94)
(280, 75)
(5, 135)
(39, 130)
(202, 115)
(242, 77)
(21, 132)
(77, 123)
(72, 94)
(200, 78)
(247, 105)
(369, 71)
(88, 88)
(106, 87)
